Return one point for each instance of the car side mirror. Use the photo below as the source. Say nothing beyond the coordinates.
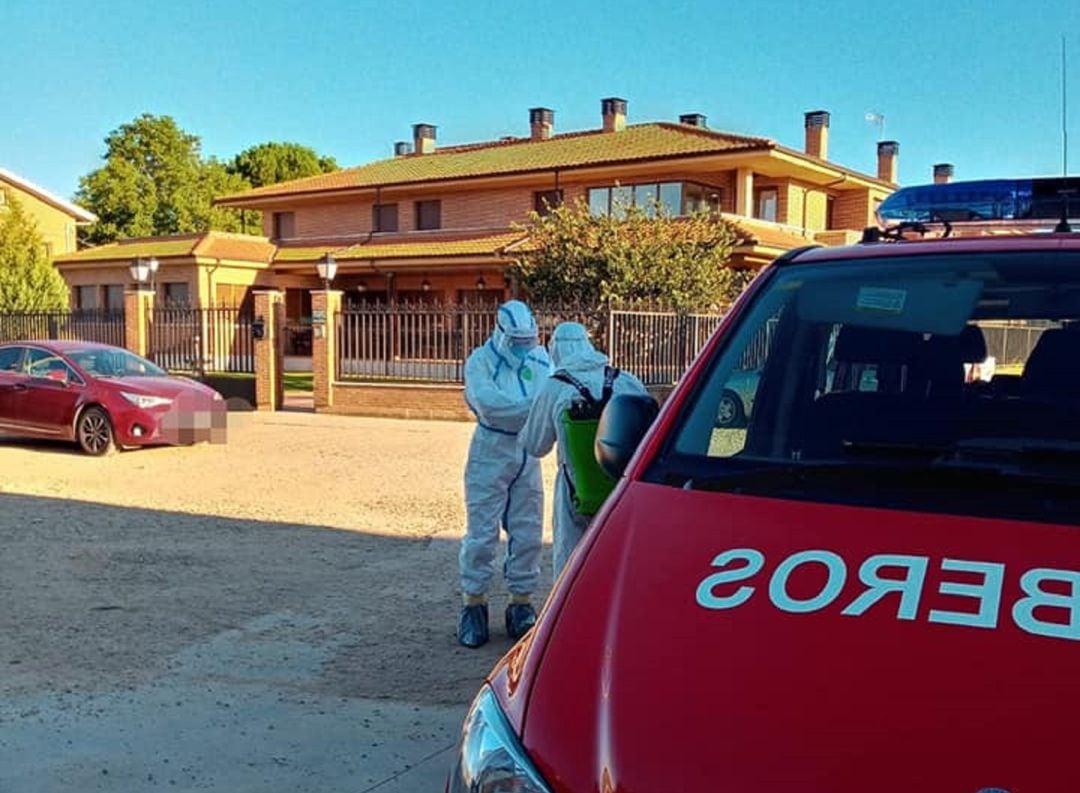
(624, 422)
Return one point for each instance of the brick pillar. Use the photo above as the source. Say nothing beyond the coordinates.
(138, 307)
(270, 350)
(325, 307)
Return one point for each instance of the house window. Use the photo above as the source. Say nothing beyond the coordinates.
(428, 215)
(176, 294)
(676, 198)
(114, 297)
(86, 297)
(767, 204)
(384, 217)
(284, 225)
(544, 201)
(69, 238)
(830, 212)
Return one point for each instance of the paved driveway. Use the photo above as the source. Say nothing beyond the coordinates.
(274, 614)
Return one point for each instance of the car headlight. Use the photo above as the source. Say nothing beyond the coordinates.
(143, 401)
(490, 757)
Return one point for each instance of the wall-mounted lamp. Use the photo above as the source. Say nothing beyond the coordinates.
(426, 285)
(481, 284)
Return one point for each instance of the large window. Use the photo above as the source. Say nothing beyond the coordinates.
(176, 294)
(767, 203)
(86, 297)
(284, 225)
(676, 198)
(114, 297)
(384, 217)
(544, 201)
(428, 215)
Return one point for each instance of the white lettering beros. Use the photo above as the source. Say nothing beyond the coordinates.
(1050, 605)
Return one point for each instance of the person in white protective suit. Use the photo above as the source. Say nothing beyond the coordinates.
(503, 485)
(571, 354)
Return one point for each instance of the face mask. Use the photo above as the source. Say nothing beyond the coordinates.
(521, 347)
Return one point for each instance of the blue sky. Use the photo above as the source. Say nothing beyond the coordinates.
(976, 84)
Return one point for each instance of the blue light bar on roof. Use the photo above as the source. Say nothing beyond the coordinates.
(1039, 199)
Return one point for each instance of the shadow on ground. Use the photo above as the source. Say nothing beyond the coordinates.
(94, 593)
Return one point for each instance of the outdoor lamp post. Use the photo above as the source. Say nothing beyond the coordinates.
(140, 271)
(152, 266)
(327, 268)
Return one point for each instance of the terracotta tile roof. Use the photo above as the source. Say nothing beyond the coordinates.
(636, 142)
(303, 253)
(218, 245)
(145, 247)
(769, 236)
(407, 246)
(213, 244)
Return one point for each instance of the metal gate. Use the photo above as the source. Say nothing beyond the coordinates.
(201, 341)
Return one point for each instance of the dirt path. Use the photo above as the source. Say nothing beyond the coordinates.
(312, 556)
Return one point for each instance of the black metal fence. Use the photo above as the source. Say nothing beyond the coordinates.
(430, 342)
(202, 340)
(105, 327)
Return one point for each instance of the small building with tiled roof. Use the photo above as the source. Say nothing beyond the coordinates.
(56, 218)
(211, 268)
(443, 223)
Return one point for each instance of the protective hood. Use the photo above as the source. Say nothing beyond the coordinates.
(571, 349)
(514, 322)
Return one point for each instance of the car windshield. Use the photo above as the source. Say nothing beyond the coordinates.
(113, 362)
(936, 383)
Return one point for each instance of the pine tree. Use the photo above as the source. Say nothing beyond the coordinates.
(28, 280)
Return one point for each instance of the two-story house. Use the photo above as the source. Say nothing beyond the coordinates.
(55, 218)
(437, 222)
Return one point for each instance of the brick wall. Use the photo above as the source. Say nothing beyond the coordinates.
(852, 210)
(401, 401)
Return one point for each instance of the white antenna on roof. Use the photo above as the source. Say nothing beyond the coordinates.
(878, 119)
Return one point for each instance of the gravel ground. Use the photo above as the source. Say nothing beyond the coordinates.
(311, 559)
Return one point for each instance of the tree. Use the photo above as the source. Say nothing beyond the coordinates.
(28, 280)
(637, 254)
(270, 163)
(154, 182)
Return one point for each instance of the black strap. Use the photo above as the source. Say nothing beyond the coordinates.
(610, 373)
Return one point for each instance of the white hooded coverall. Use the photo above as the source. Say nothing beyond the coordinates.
(571, 351)
(503, 485)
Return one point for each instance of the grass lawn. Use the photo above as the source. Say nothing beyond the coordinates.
(299, 381)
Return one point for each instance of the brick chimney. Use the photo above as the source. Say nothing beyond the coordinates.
(613, 111)
(541, 123)
(817, 133)
(401, 148)
(943, 173)
(693, 120)
(423, 136)
(888, 152)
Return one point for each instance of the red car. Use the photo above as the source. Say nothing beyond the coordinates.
(873, 584)
(101, 397)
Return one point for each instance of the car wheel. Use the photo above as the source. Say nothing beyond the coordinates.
(730, 411)
(94, 432)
